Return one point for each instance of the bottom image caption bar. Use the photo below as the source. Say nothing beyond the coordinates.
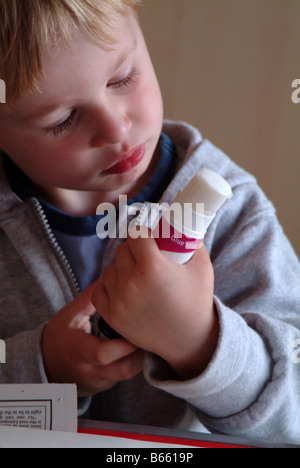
(138, 457)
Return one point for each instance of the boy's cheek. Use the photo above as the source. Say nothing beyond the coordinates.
(148, 100)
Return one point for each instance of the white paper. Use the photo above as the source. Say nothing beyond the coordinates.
(51, 407)
(27, 438)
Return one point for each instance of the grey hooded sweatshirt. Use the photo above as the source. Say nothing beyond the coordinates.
(251, 386)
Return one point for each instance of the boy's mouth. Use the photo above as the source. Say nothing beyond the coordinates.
(128, 162)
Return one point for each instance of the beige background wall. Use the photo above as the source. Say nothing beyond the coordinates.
(226, 66)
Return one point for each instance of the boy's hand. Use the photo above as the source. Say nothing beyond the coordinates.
(161, 306)
(72, 355)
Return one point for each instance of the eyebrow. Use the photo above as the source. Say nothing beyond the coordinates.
(42, 112)
(125, 55)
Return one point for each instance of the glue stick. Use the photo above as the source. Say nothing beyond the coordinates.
(182, 227)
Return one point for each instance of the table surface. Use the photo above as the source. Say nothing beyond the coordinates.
(93, 434)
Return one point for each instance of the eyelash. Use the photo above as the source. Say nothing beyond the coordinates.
(125, 82)
(64, 126)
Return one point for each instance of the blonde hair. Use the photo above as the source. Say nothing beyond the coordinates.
(27, 27)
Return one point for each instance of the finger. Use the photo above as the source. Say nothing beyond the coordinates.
(81, 319)
(100, 378)
(110, 279)
(123, 369)
(102, 353)
(78, 312)
(143, 247)
(124, 259)
(100, 299)
(84, 301)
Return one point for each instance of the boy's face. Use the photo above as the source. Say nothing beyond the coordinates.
(96, 123)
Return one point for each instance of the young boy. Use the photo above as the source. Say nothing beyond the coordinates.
(208, 342)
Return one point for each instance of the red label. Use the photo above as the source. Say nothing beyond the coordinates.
(171, 240)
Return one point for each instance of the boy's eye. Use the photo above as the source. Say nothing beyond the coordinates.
(65, 125)
(72, 119)
(124, 82)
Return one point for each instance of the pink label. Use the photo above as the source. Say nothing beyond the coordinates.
(171, 240)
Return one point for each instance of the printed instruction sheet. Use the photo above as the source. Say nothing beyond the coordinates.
(51, 407)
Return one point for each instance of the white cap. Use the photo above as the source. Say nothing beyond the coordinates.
(206, 187)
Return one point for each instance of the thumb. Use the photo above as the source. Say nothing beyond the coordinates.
(141, 244)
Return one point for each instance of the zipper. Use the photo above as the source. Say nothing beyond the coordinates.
(57, 248)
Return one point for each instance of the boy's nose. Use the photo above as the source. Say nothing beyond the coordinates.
(111, 128)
